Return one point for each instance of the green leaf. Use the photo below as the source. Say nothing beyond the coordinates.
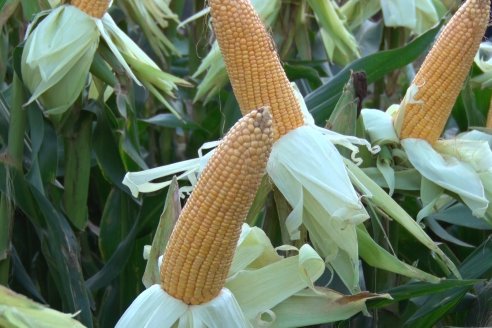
(259, 201)
(100, 69)
(168, 120)
(473, 114)
(22, 277)
(322, 101)
(443, 234)
(78, 153)
(116, 263)
(460, 215)
(344, 117)
(388, 205)
(420, 288)
(2, 3)
(296, 72)
(434, 307)
(117, 219)
(168, 219)
(58, 244)
(107, 150)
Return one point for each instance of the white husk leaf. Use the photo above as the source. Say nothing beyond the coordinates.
(483, 59)
(448, 172)
(399, 13)
(154, 308)
(417, 15)
(379, 127)
(310, 173)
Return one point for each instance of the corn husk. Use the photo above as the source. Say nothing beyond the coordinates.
(416, 15)
(379, 127)
(483, 59)
(448, 171)
(261, 284)
(57, 58)
(20, 312)
(340, 45)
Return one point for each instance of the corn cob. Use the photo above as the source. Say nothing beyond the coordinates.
(94, 8)
(489, 116)
(201, 247)
(443, 72)
(252, 63)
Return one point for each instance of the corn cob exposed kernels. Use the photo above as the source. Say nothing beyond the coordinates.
(252, 63)
(94, 8)
(200, 250)
(443, 72)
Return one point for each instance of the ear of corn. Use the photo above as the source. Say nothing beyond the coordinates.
(94, 8)
(200, 250)
(252, 63)
(443, 72)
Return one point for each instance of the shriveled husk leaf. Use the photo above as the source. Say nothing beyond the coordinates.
(340, 45)
(153, 16)
(141, 182)
(20, 312)
(259, 289)
(57, 57)
(143, 69)
(263, 282)
(213, 64)
(254, 250)
(309, 307)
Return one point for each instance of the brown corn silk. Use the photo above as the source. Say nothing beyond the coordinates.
(443, 72)
(201, 247)
(252, 63)
(94, 8)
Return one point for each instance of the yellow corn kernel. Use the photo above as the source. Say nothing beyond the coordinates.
(443, 72)
(252, 63)
(489, 116)
(94, 8)
(201, 247)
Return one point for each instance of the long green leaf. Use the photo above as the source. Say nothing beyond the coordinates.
(419, 288)
(78, 152)
(322, 101)
(438, 305)
(58, 244)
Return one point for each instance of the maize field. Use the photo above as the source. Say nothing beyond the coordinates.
(245, 163)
